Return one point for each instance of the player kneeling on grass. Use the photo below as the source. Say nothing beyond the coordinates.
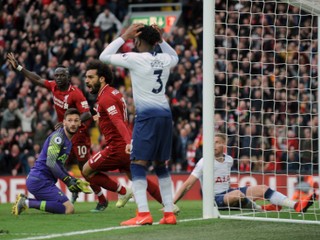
(243, 197)
(49, 167)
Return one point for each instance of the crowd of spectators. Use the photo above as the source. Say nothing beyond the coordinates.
(265, 79)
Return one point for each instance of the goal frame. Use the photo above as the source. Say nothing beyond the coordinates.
(210, 209)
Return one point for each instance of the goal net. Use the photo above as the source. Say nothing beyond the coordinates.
(266, 86)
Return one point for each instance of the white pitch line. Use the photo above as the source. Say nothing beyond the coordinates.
(94, 231)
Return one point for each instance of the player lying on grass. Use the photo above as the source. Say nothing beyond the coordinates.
(49, 167)
(243, 197)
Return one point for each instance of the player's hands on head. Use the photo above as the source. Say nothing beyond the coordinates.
(160, 30)
(72, 184)
(12, 60)
(133, 31)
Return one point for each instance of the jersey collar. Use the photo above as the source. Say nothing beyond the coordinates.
(102, 90)
(68, 90)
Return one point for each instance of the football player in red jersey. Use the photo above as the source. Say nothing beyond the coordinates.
(113, 123)
(67, 96)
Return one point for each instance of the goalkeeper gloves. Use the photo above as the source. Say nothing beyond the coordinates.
(71, 182)
(83, 186)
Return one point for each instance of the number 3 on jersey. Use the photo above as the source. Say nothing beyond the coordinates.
(158, 73)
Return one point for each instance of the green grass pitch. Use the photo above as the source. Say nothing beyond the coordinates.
(34, 224)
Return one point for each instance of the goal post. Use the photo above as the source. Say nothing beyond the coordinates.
(266, 98)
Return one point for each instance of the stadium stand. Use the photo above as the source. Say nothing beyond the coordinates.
(44, 34)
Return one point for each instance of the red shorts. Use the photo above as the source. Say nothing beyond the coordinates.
(110, 159)
(81, 145)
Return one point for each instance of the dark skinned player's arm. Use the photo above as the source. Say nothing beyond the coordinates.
(33, 77)
(85, 116)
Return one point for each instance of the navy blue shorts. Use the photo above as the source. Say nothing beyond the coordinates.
(219, 197)
(45, 190)
(151, 139)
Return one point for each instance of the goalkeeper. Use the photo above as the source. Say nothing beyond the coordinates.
(49, 167)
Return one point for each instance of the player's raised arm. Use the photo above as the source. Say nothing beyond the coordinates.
(112, 48)
(34, 78)
(109, 53)
(165, 47)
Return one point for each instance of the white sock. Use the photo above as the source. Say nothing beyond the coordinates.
(27, 202)
(165, 185)
(278, 198)
(119, 187)
(139, 188)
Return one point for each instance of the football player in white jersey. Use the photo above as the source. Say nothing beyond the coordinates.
(152, 133)
(243, 197)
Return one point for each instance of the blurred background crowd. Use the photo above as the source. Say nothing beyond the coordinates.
(265, 79)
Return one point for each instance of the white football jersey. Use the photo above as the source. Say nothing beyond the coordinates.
(149, 75)
(221, 173)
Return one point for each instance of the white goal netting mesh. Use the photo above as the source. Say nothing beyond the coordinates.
(266, 80)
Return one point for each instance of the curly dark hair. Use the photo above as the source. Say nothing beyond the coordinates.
(103, 70)
(150, 35)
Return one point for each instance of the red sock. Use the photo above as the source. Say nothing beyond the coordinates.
(122, 190)
(154, 191)
(96, 189)
(104, 181)
(102, 198)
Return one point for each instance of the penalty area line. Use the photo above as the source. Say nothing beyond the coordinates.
(93, 231)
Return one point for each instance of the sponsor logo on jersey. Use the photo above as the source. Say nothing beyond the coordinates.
(85, 104)
(115, 92)
(58, 102)
(223, 179)
(57, 140)
(112, 110)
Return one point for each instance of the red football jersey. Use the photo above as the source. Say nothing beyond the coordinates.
(71, 98)
(113, 120)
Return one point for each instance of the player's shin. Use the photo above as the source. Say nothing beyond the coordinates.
(154, 191)
(165, 185)
(139, 185)
(47, 206)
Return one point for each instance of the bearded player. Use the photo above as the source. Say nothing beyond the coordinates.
(48, 168)
(113, 123)
(67, 96)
